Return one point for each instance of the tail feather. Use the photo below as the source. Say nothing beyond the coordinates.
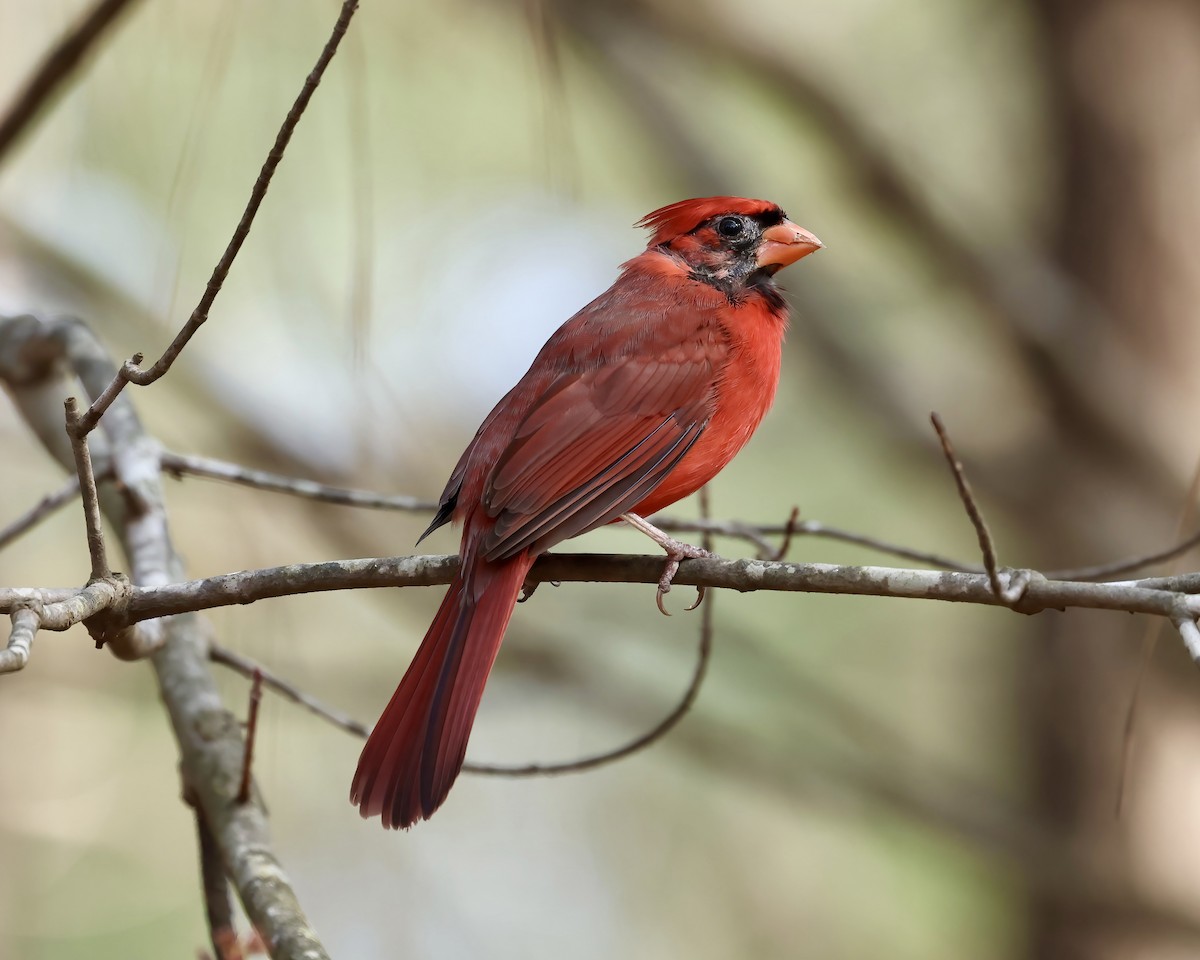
(418, 746)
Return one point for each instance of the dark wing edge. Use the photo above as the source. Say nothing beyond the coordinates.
(448, 501)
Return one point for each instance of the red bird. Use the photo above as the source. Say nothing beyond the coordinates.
(635, 402)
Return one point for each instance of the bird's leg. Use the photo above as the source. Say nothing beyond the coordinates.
(529, 586)
(677, 550)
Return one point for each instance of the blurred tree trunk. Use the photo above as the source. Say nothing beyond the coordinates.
(1125, 100)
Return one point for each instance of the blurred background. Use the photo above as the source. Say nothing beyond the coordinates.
(1008, 195)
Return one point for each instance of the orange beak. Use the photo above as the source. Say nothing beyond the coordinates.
(786, 243)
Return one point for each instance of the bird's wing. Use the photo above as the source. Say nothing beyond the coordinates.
(597, 442)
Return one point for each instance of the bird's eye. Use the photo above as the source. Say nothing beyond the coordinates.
(731, 227)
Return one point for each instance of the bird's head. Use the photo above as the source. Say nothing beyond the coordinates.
(729, 242)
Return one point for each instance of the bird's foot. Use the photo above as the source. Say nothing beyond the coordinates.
(529, 586)
(677, 551)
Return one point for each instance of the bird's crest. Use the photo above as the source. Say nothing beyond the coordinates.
(686, 215)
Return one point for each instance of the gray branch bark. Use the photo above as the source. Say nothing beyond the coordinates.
(37, 362)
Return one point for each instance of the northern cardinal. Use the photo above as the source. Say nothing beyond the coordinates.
(635, 402)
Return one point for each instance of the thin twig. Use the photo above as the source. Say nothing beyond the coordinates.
(56, 67)
(272, 681)
(40, 511)
(130, 371)
(211, 469)
(657, 732)
(87, 486)
(789, 531)
(757, 534)
(25, 622)
(968, 499)
(1106, 570)
(256, 685)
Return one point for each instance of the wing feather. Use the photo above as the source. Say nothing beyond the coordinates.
(596, 443)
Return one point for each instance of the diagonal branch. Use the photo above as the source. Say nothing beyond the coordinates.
(41, 510)
(289, 691)
(180, 465)
(986, 546)
(57, 66)
(130, 371)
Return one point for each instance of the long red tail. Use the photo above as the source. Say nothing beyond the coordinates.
(417, 748)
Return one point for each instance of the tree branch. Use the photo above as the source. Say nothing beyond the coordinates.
(180, 465)
(41, 510)
(57, 66)
(209, 737)
(25, 622)
(130, 371)
(1157, 596)
(272, 681)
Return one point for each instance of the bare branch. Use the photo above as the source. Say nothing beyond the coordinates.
(56, 67)
(212, 469)
(757, 534)
(210, 742)
(13, 597)
(1155, 596)
(87, 486)
(789, 532)
(25, 621)
(1026, 591)
(657, 732)
(98, 597)
(1105, 570)
(256, 684)
(130, 371)
(968, 499)
(40, 511)
(272, 681)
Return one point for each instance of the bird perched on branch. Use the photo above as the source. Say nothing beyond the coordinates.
(635, 402)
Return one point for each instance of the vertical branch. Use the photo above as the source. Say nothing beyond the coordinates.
(211, 747)
(87, 487)
(256, 685)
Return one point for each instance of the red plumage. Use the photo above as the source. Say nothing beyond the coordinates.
(683, 216)
(635, 402)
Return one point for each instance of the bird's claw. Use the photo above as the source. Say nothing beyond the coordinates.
(677, 551)
(529, 586)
